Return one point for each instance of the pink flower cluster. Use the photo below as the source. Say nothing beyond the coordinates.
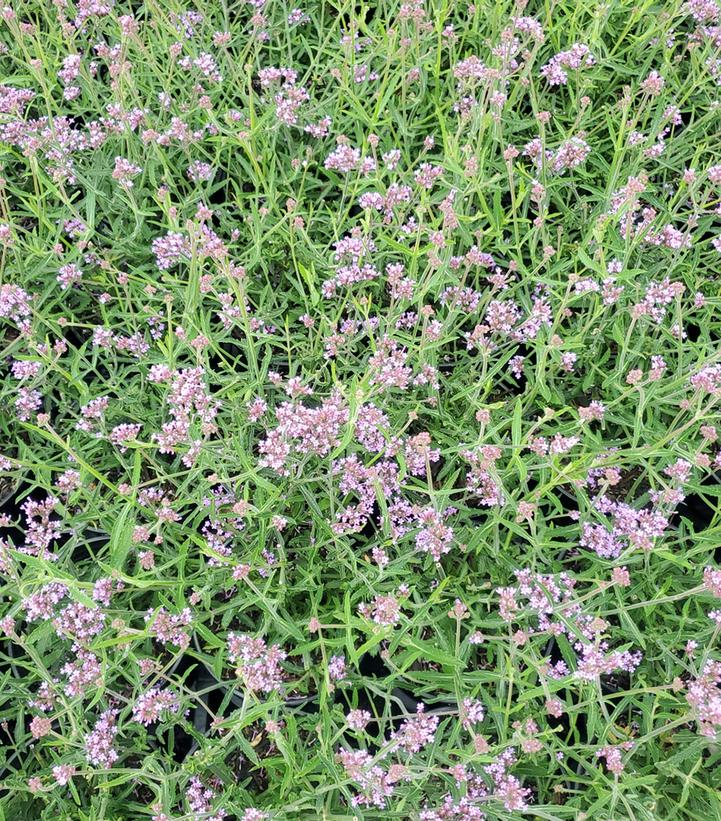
(556, 69)
(259, 666)
(303, 431)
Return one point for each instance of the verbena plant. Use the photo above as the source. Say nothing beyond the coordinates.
(360, 387)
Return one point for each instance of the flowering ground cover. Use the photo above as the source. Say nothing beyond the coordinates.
(361, 370)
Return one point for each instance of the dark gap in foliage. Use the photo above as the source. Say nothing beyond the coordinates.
(89, 546)
(615, 682)
(364, 698)
(175, 742)
(563, 519)
(77, 337)
(369, 530)
(373, 666)
(699, 511)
